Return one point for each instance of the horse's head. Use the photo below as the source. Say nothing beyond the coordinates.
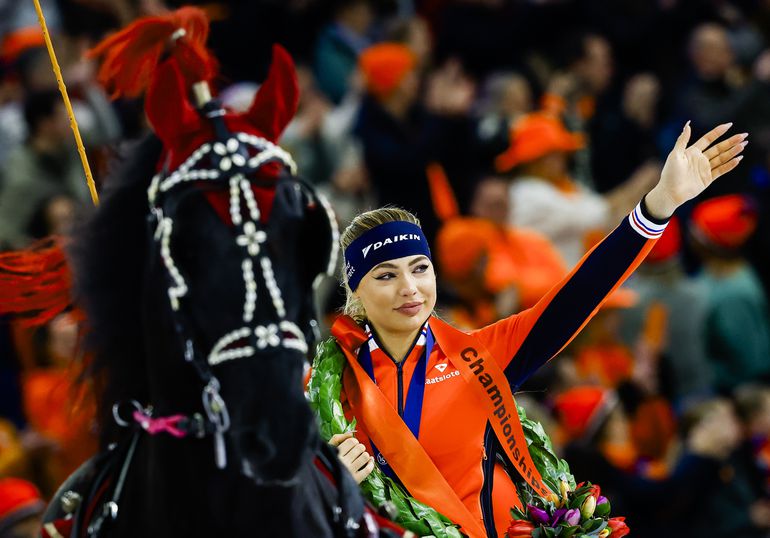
(235, 243)
(240, 241)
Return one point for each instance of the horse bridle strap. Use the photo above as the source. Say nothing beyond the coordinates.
(180, 426)
(110, 508)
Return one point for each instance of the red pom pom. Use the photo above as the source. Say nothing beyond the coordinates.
(131, 55)
(35, 283)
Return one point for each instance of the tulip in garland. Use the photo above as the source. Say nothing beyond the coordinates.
(618, 527)
(579, 512)
(520, 529)
(576, 511)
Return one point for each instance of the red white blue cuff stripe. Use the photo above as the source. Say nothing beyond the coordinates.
(644, 224)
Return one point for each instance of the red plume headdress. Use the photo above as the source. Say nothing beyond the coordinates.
(166, 56)
(129, 57)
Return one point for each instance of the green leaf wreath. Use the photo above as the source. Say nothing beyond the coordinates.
(324, 396)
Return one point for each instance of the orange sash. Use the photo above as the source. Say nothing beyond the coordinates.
(381, 423)
(482, 372)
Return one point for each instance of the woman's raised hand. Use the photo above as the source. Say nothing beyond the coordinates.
(353, 455)
(689, 170)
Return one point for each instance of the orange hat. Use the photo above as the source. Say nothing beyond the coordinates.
(582, 410)
(668, 244)
(19, 499)
(460, 244)
(20, 40)
(384, 67)
(725, 222)
(534, 136)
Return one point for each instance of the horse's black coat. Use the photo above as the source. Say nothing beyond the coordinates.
(173, 486)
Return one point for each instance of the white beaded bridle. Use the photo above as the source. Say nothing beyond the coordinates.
(231, 160)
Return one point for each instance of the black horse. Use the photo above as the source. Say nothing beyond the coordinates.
(196, 275)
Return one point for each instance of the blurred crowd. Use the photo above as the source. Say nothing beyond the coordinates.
(520, 132)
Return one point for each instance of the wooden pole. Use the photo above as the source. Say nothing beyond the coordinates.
(67, 104)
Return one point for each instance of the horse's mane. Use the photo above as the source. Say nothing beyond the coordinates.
(108, 256)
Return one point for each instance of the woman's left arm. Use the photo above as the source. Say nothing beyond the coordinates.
(524, 342)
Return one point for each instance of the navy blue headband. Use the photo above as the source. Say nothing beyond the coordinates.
(385, 242)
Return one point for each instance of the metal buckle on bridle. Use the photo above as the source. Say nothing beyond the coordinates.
(120, 421)
(196, 425)
(216, 411)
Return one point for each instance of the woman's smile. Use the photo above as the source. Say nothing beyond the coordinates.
(411, 308)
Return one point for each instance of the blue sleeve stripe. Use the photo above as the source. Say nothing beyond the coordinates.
(644, 226)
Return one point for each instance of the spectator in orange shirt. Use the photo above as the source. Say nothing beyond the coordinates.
(600, 354)
(544, 196)
(494, 269)
(51, 403)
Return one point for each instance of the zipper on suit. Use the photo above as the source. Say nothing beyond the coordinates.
(488, 467)
(400, 371)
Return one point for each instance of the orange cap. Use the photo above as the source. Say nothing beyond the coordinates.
(20, 40)
(18, 499)
(581, 410)
(668, 244)
(384, 67)
(460, 244)
(534, 136)
(725, 222)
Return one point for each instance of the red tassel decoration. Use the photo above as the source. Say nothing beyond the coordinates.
(130, 56)
(35, 283)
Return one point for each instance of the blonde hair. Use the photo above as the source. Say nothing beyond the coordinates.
(359, 225)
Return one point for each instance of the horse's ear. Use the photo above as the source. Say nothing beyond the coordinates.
(276, 101)
(168, 109)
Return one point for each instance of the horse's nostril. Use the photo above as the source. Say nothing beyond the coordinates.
(264, 462)
(255, 448)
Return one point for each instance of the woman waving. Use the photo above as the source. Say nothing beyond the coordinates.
(434, 406)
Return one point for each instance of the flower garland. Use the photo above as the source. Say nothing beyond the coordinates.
(324, 396)
(578, 510)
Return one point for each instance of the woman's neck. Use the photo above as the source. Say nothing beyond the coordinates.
(396, 344)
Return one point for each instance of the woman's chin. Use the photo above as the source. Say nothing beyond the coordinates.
(411, 322)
